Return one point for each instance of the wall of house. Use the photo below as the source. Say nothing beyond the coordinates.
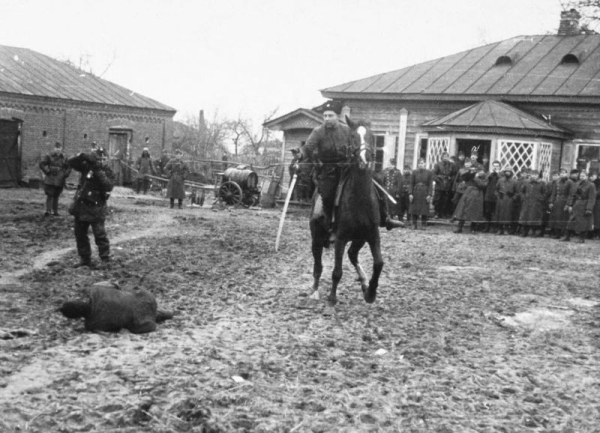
(77, 125)
(293, 139)
(385, 118)
(583, 121)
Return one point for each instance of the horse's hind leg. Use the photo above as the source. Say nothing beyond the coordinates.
(353, 251)
(371, 292)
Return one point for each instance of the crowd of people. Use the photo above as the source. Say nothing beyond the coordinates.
(496, 200)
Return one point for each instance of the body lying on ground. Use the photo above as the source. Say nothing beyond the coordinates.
(111, 309)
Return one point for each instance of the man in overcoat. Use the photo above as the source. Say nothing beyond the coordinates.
(330, 147)
(56, 170)
(420, 190)
(393, 184)
(533, 205)
(89, 204)
(176, 170)
(444, 173)
(559, 195)
(581, 207)
(506, 189)
(145, 166)
(489, 197)
(470, 206)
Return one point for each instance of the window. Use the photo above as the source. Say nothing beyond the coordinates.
(520, 155)
(435, 148)
(588, 157)
(379, 152)
(569, 59)
(503, 60)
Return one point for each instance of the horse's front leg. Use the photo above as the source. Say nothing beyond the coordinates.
(353, 251)
(375, 245)
(317, 252)
(336, 275)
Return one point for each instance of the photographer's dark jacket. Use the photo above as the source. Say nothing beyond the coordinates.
(96, 183)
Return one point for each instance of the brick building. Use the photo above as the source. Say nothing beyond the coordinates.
(43, 100)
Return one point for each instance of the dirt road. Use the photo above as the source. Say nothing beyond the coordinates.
(473, 333)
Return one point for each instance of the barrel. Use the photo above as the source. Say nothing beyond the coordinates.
(246, 179)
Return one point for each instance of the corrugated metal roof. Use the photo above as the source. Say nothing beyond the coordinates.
(26, 72)
(535, 69)
(494, 116)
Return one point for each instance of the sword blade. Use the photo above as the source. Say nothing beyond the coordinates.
(285, 206)
(382, 189)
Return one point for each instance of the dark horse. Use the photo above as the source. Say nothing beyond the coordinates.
(357, 221)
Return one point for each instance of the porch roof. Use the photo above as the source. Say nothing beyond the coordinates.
(301, 118)
(496, 118)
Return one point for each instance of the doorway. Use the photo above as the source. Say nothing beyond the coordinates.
(10, 159)
(469, 146)
(119, 148)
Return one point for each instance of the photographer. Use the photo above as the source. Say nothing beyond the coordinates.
(89, 204)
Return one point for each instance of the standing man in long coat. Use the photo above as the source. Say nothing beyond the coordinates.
(393, 184)
(145, 166)
(420, 190)
(89, 204)
(581, 207)
(506, 189)
(176, 170)
(533, 204)
(489, 197)
(558, 204)
(56, 170)
(444, 173)
(470, 206)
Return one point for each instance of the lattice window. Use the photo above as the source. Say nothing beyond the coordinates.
(516, 155)
(544, 160)
(435, 148)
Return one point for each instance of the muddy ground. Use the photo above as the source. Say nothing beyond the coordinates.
(469, 333)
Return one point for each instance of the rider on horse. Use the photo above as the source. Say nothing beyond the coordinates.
(331, 147)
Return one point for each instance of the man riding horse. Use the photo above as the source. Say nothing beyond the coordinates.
(331, 147)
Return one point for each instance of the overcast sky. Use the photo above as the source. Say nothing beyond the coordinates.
(249, 57)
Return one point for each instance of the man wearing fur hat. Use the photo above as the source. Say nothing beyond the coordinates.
(55, 167)
(330, 146)
(89, 204)
(145, 166)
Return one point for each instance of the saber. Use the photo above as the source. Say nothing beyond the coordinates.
(285, 206)
(385, 192)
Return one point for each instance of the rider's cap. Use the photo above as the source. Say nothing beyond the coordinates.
(335, 106)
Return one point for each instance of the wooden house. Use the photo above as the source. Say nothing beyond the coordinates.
(529, 102)
(44, 101)
(296, 127)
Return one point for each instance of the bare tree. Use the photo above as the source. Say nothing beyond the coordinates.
(590, 13)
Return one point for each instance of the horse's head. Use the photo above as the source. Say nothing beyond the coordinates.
(365, 137)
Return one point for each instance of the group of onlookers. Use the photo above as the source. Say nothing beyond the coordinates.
(494, 199)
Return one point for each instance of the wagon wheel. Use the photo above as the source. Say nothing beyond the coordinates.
(231, 193)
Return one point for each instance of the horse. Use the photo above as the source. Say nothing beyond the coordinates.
(357, 217)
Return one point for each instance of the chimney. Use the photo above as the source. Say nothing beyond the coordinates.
(569, 23)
